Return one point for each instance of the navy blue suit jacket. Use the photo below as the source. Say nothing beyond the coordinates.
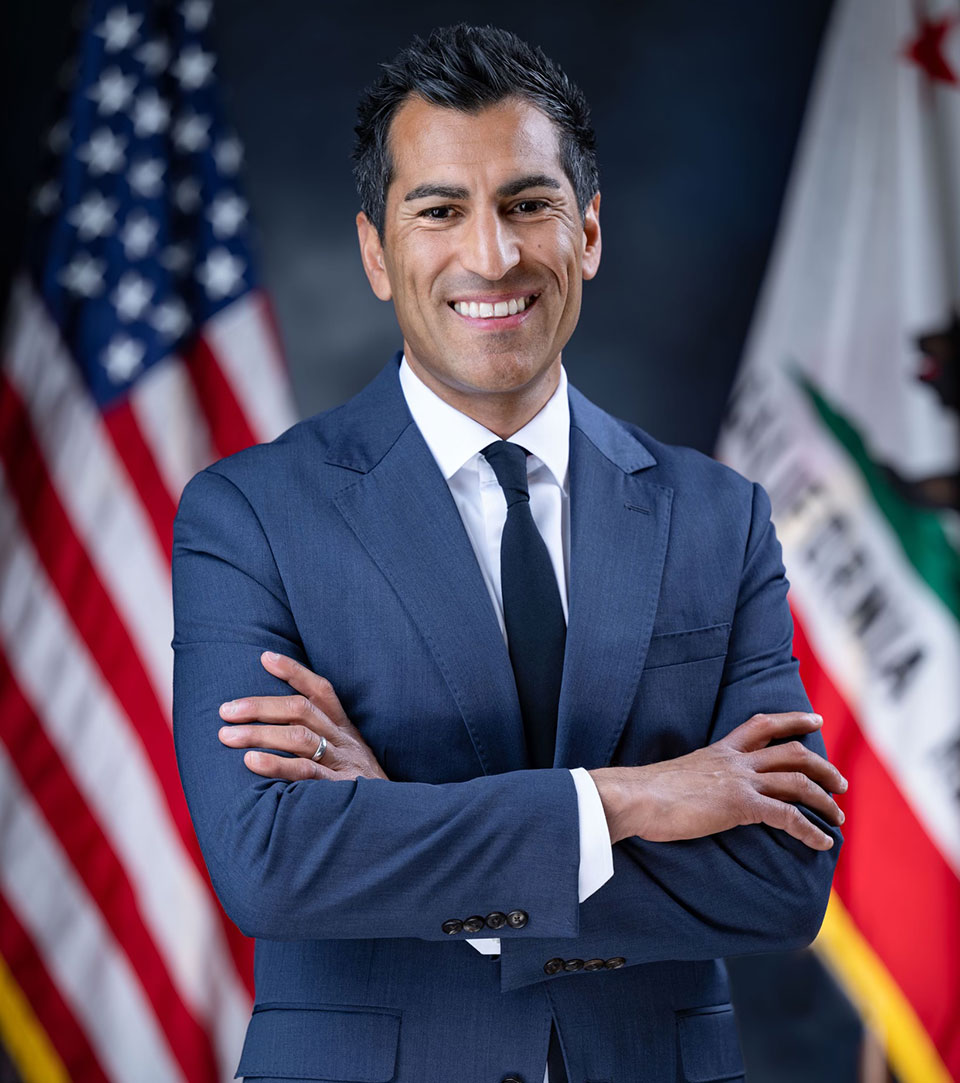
(340, 544)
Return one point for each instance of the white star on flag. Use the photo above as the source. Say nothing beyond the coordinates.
(191, 132)
(186, 195)
(138, 235)
(146, 177)
(46, 199)
(171, 318)
(132, 295)
(119, 29)
(228, 154)
(151, 114)
(104, 152)
(220, 274)
(154, 55)
(176, 257)
(196, 13)
(112, 91)
(123, 357)
(193, 67)
(83, 275)
(93, 216)
(226, 213)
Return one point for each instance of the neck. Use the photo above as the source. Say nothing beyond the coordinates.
(502, 412)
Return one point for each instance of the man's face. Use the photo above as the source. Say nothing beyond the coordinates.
(481, 219)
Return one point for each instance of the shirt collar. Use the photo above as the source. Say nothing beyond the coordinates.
(454, 438)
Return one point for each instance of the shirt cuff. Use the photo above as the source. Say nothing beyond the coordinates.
(596, 851)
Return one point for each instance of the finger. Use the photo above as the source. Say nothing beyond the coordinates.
(296, 739)
(317, 689)
(289, 710)
(794, 786)
(794, 756)
(761, 729)
(290, 770)
(790, 819)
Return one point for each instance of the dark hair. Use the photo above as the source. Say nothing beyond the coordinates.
(469, 68)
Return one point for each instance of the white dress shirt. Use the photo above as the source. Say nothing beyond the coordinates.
(456, 441)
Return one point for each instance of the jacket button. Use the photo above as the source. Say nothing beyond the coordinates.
(452, 926)
(511, 1079)
(473, 925)
(615, 963)
(573, 964)
(496, 920)
(553, 966)
(516, 919)
(593, 964)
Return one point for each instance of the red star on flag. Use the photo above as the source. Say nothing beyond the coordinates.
(926, 50)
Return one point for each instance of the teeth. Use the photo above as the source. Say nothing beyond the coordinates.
(486, 310)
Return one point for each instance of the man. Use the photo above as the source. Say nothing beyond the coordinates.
(529, 649)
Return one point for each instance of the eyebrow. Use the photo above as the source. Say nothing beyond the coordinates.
(505, 191)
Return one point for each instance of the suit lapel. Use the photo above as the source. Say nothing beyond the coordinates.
(401, 510)
(619, 528)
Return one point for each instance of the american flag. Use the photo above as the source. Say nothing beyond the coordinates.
(137, 349)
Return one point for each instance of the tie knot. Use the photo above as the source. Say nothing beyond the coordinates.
(509, 463)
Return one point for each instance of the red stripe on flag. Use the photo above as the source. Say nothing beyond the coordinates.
(892, 879)
(142, 469)
(93, 858)
(229, 429)
(99, 625)
(66, 1035)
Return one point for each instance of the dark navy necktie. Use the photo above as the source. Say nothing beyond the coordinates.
(536, 630)
(532, 610)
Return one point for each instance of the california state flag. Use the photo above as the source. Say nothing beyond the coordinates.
(846, 411)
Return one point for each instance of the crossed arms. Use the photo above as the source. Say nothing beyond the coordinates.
(294, 847)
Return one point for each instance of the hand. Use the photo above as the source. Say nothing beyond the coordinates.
(740, 779)
(296, 724)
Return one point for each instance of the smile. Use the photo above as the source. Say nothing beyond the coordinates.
(488, 310)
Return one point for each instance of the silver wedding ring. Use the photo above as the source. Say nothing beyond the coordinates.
(321, 748)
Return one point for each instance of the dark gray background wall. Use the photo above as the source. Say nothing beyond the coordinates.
(696, 107)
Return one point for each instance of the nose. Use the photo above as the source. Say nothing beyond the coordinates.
(489, 246)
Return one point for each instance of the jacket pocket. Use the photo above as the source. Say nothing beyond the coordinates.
(709, 1046)
(696, 645)
(358, 1045)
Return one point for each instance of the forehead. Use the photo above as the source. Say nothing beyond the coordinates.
(435, 143)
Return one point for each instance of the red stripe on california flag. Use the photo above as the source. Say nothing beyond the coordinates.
(97, 622)
(229, 430)
(894, 882)
(102, 873)
(142, 469)
(66, 1035)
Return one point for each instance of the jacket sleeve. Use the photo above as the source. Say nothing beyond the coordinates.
(751, 889)
(364, 858)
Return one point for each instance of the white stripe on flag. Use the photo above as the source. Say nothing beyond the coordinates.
(172, 423)
(92, 484)
(92, 974)
(242, 341)
(109, 766)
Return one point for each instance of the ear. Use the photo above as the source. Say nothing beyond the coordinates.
(371, 253)
(591, 238)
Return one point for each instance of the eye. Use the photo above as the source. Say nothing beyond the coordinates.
(530, 206)
(437, 214)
